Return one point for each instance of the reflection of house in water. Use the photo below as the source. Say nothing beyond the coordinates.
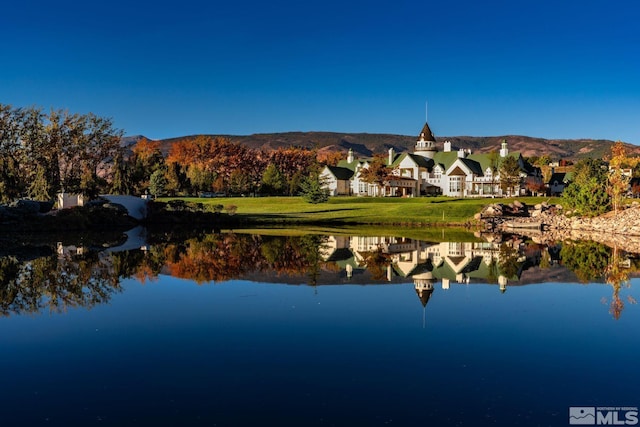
(68, 250)
(426, 263)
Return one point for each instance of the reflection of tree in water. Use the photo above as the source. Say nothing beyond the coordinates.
(587, 259)
(58, 282)
(508, 260)
(617, 276)
(55, 284)
(220, 257)
(213, 257)
(376, 262)
(294, 255)
(311, 247)
(139, 264)
(593, 261)
(492, 271)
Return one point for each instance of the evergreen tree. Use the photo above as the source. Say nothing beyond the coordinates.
(314, 190)
(39, 188)
(120, 183)
(510, 178)
(273, 181)
(157, 183)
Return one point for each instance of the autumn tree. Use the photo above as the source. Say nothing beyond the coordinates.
(329, 158)
(618, 182)
(145, 160)
(535, 187)
(294, 163)
(377, 172)
(207, 160)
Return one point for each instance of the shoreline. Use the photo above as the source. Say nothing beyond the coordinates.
(621, 229)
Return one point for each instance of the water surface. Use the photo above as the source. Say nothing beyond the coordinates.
(301, 333)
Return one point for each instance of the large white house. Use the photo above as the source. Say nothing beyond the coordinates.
(428, 171)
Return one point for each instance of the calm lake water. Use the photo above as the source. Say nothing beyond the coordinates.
(243, 330)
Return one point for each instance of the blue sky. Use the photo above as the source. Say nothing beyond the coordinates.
(553, 69)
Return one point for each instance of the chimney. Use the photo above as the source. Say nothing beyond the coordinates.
(350, 156)
(461, 153)
(447, 146)
(391, 155)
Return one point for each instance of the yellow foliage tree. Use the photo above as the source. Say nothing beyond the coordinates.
(618, 179)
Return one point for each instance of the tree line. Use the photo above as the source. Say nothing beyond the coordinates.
(214, 164)
(43, 153)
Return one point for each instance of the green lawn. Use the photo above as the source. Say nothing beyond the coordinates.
(360, 210)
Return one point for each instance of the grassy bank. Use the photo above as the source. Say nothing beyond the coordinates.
(359, 210)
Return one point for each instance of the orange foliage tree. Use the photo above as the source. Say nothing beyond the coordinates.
(215, 158)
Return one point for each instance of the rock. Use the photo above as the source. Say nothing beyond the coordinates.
(538, 207)
(518, 204)
(45, 206)
(96, 202)
(26, 206)
(116, 207)
(477, 216)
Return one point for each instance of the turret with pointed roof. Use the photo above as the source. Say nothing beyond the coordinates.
(426, 143)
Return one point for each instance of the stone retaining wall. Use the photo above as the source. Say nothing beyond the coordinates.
(621, 229)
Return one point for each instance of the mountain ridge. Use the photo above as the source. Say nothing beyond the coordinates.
(366, 144)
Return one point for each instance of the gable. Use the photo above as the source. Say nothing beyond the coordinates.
(457, 172)
(464, 167)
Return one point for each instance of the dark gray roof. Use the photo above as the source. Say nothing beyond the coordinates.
(475, 167)
(422, 161)
(340, 172)
(558, 177)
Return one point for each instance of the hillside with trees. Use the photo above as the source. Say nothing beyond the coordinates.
(366, 144)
